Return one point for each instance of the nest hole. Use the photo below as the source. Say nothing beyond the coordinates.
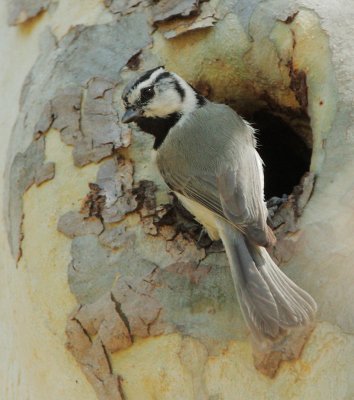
(284, 137)
(285, 150)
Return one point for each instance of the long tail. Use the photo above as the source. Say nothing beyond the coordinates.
(270, 302)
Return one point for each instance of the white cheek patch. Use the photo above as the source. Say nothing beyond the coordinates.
(164, 103)
(168, 98)
(134, 96)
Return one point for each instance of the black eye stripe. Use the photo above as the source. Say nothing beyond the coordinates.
(144, 77)
(163, 75)
(147, 93)
(176, 84)
(180, 90)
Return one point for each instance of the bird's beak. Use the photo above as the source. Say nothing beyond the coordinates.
(131, 114)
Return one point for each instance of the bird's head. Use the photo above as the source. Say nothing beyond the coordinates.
(158, 94)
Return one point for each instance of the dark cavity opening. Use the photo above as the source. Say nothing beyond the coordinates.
(285, 152)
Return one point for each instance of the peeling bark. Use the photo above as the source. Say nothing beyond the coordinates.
(206, 17)
(166, 9)
(284, 220)
(78, 224)
(28, 168)
(91, 355)
(45, 173)
(193, 273)
(116, 237)
(122, 6)
(20, 11)
(123, 292)
(86, 119)
(287, 348)
(102, 318)
(140, 305)
(115, 180)
(58, 102)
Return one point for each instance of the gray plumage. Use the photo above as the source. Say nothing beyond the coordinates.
(210, 161)
(227, 180)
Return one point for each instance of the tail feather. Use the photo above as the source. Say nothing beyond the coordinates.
(257, 302)
(270, 302)
(296, 307)
(291, 292)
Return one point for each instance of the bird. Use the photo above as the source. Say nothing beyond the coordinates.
(207, 155)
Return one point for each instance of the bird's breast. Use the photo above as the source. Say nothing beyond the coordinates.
(204, 216)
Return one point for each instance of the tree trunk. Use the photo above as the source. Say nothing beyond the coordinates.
(110, 288)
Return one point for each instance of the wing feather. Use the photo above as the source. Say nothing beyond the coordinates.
(211, 158)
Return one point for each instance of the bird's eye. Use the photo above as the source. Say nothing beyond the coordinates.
(147, 93)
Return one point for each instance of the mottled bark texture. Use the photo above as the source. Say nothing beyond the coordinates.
(20, 11)
(141, 266)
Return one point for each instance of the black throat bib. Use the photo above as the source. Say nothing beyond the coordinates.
(158, 127)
